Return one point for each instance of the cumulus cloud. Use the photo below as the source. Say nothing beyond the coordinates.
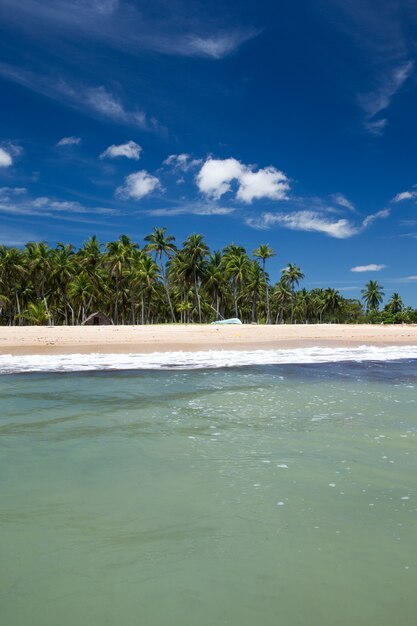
(130, 150)
(69, 141)
(138, 185)
(5, 158)
(265, 183)
(216, 175)
(8, 152)
(405, 195)
(310, 221)
(372, 267)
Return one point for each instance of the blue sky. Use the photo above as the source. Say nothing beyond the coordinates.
(247, 122)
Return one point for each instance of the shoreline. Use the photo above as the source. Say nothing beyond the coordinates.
(43, 340)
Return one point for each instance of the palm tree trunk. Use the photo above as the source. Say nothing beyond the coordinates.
(197, 296)
(167, 291)
(116, 305)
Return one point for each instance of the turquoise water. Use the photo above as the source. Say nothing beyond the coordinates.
(261, 495)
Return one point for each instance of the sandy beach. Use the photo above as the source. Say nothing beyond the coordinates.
(170, 338)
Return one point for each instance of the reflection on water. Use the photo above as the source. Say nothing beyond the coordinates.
(263, 495)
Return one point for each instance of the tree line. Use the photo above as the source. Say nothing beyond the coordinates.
(161, 282)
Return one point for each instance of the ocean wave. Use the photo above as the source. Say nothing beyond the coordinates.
(11, 364)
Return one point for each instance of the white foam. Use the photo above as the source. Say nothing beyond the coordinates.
(198, 360)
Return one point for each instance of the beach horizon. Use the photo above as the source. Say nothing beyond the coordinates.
(21, 340)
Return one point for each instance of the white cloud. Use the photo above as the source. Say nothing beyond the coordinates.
(372, 267)
(138, 185)
(8, 152)
(215, 46)
(182, 162)
(17, 201)
(341, 200)
(5, 158)
(130, 150)
(374, 102)
(215, 177)
(406, 279)
(370, 219)
(131, 26)
(405, 195)
(92, 100)
(306, 221)
(265, 183)
(191, 209)
(69, 141)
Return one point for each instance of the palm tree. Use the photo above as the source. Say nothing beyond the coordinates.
(395, 304)
(264, 252)
(291, 276)
(255, 285)
(145, 278)
(62, 271)
(116, 263)
(281, 295)
(160, 244)
(36, 313)
(372, 295)
(332, 301)
(12, 271)
(39, 261)
(81, 291)
(214, 280)
(195, 251)
(237, 267)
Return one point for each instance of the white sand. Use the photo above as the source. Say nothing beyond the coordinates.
(169, 338)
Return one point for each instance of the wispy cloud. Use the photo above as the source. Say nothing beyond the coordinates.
(132, 27)
(370, 219)
(406, 279)
(380, 32)
(215, 46)
(69, 141)
(376, 102)
(405, 195)
(94, 100)
(305, 221)
(372, 267)
(191, 209)
(342, 201)
(17, 201)
(314, 221)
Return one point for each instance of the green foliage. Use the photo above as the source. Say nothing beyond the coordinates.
(163, 283)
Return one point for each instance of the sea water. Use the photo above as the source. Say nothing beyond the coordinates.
(266, 494)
